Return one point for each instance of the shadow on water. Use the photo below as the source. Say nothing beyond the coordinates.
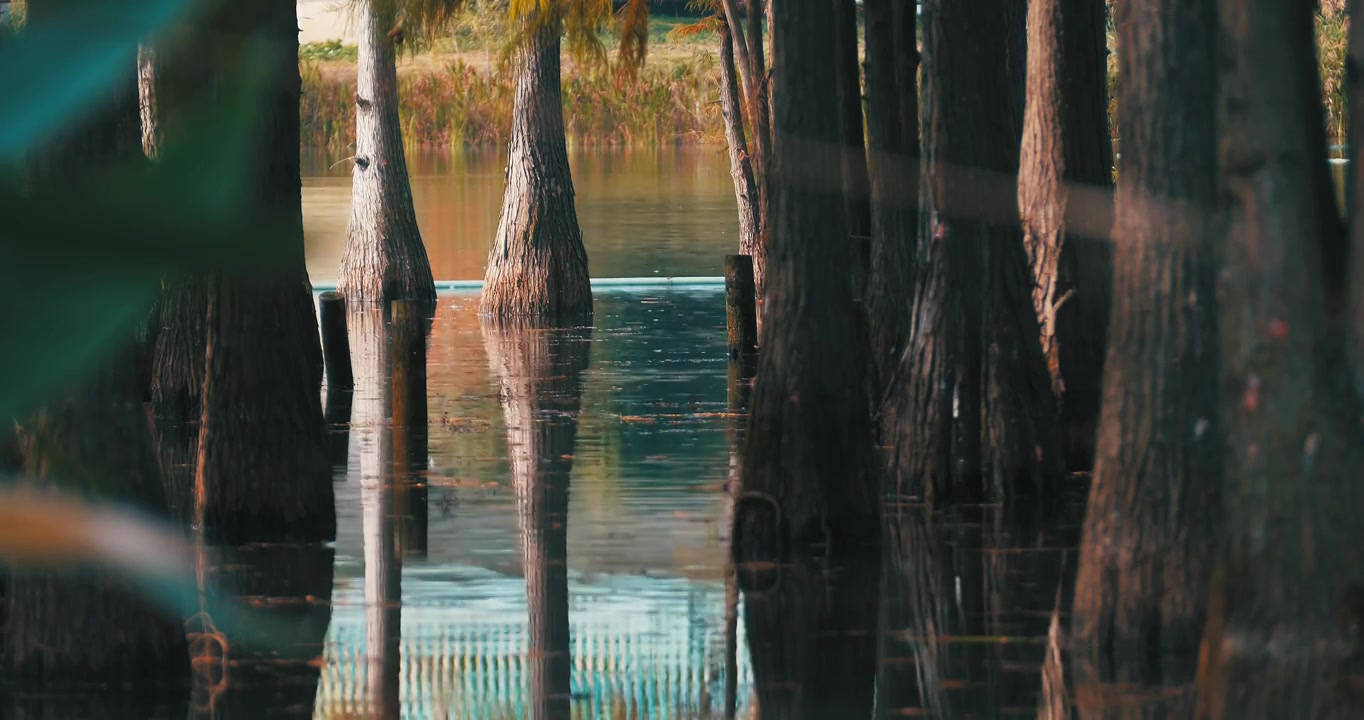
(539, 371)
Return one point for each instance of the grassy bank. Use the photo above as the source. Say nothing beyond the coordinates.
(456, 94)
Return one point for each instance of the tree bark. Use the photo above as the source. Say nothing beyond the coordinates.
(1066, 141)
(267, 475)
(1283, 633)
(146, 95)
(892, 166)
(1354, 77)
(856, 191)
(753, 82)
(540, 371)
(972, 413)
(740, 162)
(809, 446)
(1144, 562)
(537, 268)
(384, 258)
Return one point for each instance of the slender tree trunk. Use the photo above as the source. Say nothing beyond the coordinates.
(892, 167)
(1283, 635)
(60, 629)
(740, 162)
(1066, 141)
(809, 450)
(1145, 561)
(537, 268)
(750, 63)
(384, 259)
(972, 411)
(540, 371)
(856, 190)
(146, 95)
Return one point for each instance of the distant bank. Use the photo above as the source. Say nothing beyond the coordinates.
(323, 20)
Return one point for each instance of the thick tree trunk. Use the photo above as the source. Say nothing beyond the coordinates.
(1152, 518)
(740, 162)
(972, 413)
(1066, 141)
(809, 442)
(540, 371)
(384, 259)
(856, 191)
(905, 20)
(537, 268)
(1354, 76)
(1283, 633)
(892, 166)
(266, 473)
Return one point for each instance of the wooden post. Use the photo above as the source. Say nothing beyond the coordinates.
(407, 368)
(335, 343)
(741, 318)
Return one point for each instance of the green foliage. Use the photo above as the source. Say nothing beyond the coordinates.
(328, 51)
(1333, 34)
(460, 105)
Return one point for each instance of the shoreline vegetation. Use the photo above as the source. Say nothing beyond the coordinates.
(455, 94)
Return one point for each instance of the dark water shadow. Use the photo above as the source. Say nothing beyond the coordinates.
(968, 600)
(539, 371)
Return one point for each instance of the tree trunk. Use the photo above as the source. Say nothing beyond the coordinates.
(537, 268)
(540, 371)
(752, 74)
(266, 473)
(1354, 76)
(1144, 562)
(740, 162)
(972, 414)
(892, 165)
(1066, 141)
(856, 193)
(60, 629)
(1283, 634)
(905, 21)
(809, 449)
(146, 95)
(384, 259)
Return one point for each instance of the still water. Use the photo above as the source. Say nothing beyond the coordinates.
(533, 524)
(644, 213)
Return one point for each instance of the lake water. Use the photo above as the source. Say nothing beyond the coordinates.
(550, 542)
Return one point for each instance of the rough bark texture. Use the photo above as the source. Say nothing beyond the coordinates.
(1066, 141)
(740, 162)
(267, 474)
(812, 640)
(540, 371)
(146, 96)
(893, 167)
(971, 413)
(856, 193)
(1283, 634)
(384, 259)
(754, 83)
(537, 268)
(809, 449)
(1145, 561)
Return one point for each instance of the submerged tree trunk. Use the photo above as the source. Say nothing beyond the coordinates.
(267, 475)
(1145, 561)
(537, 268)
(1066, 141)
(540, 371)
(892, 167)
(384, 259)
(972, 413)
(1283, 635)
(808, 455)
